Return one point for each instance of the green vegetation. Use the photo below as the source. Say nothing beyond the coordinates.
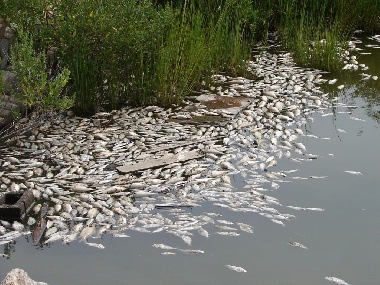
(317, 31)
(37, 91)
(157, 51)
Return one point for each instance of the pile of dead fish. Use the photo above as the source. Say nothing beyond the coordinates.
(71, 163)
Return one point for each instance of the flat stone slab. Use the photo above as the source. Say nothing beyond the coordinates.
(158, 162)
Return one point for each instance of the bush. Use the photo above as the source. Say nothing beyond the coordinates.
(30, 68)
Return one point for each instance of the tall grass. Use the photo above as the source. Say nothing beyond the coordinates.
(181, 57)
(156, 51)
(317, 31)
(313, 33)
(198, 44)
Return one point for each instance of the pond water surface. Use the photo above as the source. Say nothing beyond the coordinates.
(342, 241)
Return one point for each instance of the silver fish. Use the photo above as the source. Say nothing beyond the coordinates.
(297, 244)
(192, 251)
(353, 172)
(86, 232)
(236, 268)
(233, 234)
(163, 246)
(336, 280)
(97, 245)
(168, 253)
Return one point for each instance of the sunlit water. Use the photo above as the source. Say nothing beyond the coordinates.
(343, 240)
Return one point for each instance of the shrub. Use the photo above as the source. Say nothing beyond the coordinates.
(30, 68)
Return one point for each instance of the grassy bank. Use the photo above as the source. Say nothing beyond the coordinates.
(156, 52)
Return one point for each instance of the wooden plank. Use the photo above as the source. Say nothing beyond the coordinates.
(158, 162)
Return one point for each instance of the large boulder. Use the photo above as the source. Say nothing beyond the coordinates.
(18, 276)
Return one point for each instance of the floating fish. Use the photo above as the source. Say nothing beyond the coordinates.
(236, 268)
(357, 119)
(297, 244)
(192, 251)
(278, 222)
(163, 246)
(353, 172)
(54, 237)
(120, 235)
(315, 209)
(336, 280)
(168, 253)
(97, 245)
(233, 234)
(203, 232)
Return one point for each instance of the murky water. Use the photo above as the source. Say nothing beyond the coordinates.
(342, 241)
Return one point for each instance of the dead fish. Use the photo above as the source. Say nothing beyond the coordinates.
(236, 268)
(233, 234)
(163, 246)
(17, 226)
(86, 232)
(245, 228)
(357, 119)
(353, 172)
(297, 244)
(53, 238)
(192, 251)
(5, 241)
(80, 188)
(203, 232)
(186, 239)
(300, 146)
(225, 222)
(120, 235)
(336, 280)
(225, 228)
(97, 245)
(314, 209)
(296, 208)
(278, 222)
(69, 238)
(168, 253)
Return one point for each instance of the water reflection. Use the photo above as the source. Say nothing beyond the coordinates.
(363, 83)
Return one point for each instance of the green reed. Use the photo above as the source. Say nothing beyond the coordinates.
(157, 51)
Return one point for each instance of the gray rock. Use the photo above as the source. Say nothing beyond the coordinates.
(10, 35)
(18, 276)
(10, 80)
(4, 53)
